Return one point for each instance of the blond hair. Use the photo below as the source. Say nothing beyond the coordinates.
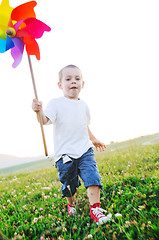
(68, 66)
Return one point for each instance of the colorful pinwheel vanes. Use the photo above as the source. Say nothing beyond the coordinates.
(18, 28)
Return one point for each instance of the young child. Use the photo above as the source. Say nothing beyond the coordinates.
(73, 150)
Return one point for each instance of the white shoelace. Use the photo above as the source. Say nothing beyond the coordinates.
(72, 210)
(98, 212)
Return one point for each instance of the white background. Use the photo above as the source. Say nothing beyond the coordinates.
(114, 43)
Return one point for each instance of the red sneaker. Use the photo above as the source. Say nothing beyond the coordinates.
(71, 210)
(97, 214)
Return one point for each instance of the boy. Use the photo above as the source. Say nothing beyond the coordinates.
(73, 150)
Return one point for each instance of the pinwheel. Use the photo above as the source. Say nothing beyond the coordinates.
(18, 29)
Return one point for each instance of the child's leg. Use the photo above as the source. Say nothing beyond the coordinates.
(71, 200)
(89, 173)
(95, 210)
(93, 193)
(70, 206)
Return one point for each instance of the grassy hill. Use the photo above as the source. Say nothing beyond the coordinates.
(31, 206)
(49, 162)
(27, 167)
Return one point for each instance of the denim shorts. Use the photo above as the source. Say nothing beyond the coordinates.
(84, 167)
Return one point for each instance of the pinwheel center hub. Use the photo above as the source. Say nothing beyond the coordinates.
(11, 32)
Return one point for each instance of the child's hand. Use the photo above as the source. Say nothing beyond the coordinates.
(36, 105)
(99, 145)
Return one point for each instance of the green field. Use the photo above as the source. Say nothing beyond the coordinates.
(31, 206)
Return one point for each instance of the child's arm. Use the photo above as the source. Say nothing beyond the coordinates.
(98, 144)
(37, 107)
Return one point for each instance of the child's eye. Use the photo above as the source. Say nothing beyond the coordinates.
(67, 79)
(77, 79)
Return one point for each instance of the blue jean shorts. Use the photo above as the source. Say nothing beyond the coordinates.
(84, 167)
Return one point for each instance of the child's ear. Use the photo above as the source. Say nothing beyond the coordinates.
(60, 85)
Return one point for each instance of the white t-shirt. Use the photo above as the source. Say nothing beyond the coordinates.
(70, 119)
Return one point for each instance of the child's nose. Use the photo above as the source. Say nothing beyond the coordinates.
(73, 80)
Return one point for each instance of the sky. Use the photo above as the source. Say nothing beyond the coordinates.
(114, 43)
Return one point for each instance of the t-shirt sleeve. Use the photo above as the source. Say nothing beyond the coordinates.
(50, 111)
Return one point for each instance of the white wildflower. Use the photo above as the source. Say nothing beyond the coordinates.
(25, 207)
(141, 207)
(90, 236)
(46, 197)
(64, 229)
(35, 220)
(127, 224)
(118, 215)
(46, 188)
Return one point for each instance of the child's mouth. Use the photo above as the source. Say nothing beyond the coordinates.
(73, 88)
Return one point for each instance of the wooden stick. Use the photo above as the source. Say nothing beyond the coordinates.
(38, 113)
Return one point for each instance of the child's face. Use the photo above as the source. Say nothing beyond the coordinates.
(71, 82)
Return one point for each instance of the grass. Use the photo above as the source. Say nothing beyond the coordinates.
(31, 206)
(27, 167)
